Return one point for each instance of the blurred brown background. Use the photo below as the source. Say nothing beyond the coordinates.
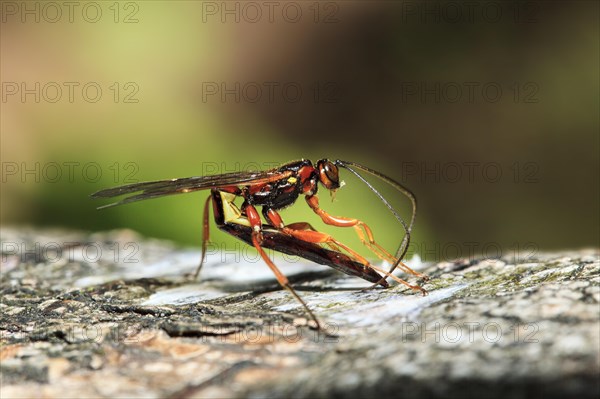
(488, 111)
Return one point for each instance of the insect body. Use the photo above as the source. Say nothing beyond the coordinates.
(276, 189)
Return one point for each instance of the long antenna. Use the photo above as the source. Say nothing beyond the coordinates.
(403, 247)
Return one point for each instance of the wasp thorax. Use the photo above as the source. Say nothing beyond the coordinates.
(328, 174)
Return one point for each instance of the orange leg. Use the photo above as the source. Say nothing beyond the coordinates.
(364, 234)
(256, 224)
(304, 231)
(205, 235)
(318, 238)
(308, 226)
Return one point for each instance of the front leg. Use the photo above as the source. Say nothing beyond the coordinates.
(305, 232)
(364, 234)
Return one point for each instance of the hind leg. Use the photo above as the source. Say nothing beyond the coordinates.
(205, 235)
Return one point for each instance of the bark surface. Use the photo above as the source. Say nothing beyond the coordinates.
(115, 315)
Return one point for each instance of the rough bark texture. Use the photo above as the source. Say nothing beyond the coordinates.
(131, 323)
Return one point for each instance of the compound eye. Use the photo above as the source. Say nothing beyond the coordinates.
(332, 172)
(329, 175)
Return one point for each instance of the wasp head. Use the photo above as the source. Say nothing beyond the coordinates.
(328, 174)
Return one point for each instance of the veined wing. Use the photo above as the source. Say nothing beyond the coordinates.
(160, 188)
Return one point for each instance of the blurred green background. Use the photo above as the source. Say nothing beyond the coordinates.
(488, 112)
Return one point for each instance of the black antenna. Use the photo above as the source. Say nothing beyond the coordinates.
(403, 247)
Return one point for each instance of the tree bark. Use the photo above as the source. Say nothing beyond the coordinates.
(114, 315)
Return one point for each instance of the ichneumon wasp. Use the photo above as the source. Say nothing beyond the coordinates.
(276, 189)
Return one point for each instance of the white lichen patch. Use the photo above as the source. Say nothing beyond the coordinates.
(191, 293)
(364, 308)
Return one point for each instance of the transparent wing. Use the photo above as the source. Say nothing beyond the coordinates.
(160, 188)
